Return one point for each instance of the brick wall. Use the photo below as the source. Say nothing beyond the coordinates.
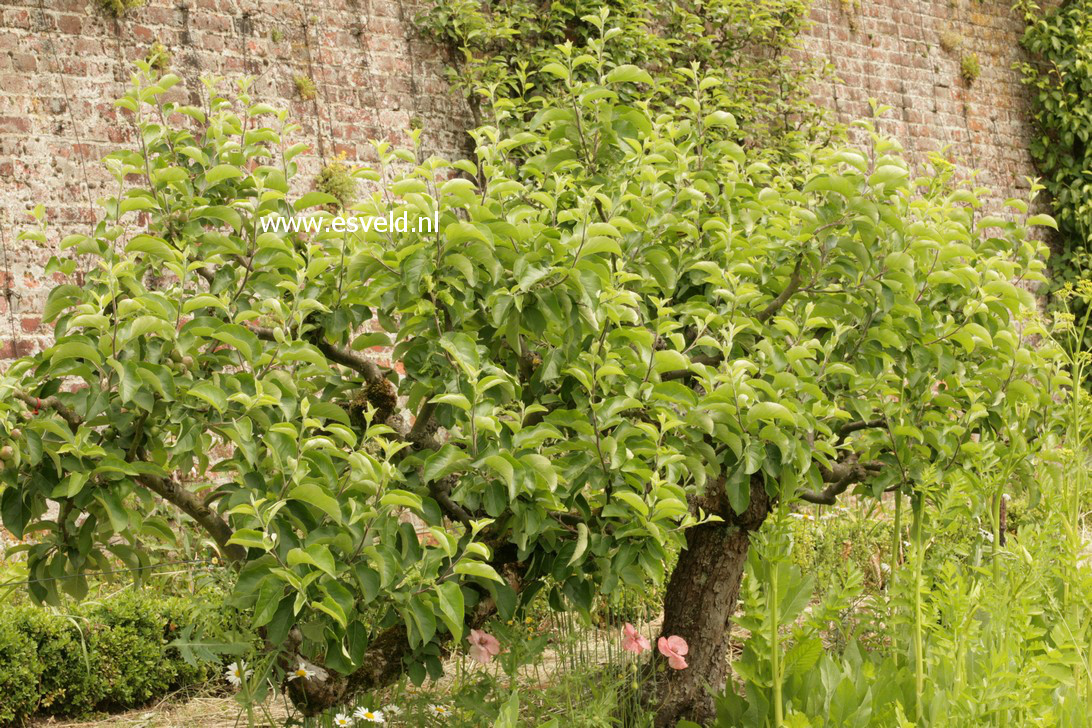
(62, 62)
(907, 54)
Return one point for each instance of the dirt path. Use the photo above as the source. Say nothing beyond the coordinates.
(198, 712)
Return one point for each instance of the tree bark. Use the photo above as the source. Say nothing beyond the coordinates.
(699, 604)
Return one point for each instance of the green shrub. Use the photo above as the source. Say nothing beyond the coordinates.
(970, 68)
(827, 545)
(127, 639)
(1058, 77)
(66, 685)
(108, 655)
(158, 57)
(20, 671)
(305, 87)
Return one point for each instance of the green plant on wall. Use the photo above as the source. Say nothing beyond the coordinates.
(305, 87)
(336, 179)
(158, 57)
(970, 68)
(850, 8)
(950, 40)
(118, 8)
(1060, 79)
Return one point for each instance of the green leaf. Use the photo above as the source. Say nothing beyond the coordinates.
(444, 461)
(367, 341)
(222, 172)
(137, 203)
(74, 350)
(316, 496)
(478, 569)
(423, 618)
(770, 411)
(581, 543)
(269, 599)
(500, 465)
(463, 351)
(450, 599)
(249, 538)
(456, 400)
(151, 246)
(462, 232)
(317, 555)
(803, 656)
(1043, 220)
(509, 712)
(402, 499)
(314, 199)
(629, 74)
(888, 174)
(220, 213)
(210, 393)
(331, 607)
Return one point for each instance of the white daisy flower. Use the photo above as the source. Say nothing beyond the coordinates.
(392, 710)
(236, 672)
(342, 720)
(439, 710)
(372, 716)
(301, 671)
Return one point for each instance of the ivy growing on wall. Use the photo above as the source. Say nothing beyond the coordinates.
(1060, 78)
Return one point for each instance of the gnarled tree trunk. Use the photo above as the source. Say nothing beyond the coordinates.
(700, 600)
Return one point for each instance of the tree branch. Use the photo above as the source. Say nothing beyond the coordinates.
(419, 435)
(345, 357)
(839, 477)
(188, 502)
(795, 281)
(35, 403)
(851, 427)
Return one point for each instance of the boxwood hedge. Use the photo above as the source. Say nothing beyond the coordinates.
(102, 656)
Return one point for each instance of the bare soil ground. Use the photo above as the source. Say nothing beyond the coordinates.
(208, 711)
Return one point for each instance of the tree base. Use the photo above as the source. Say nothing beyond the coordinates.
(701, 599)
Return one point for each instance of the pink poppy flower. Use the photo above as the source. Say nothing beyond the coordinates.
(673, 648)
(483, 646)
(633, 641)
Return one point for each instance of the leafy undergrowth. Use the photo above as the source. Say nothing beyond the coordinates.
(846, 634)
